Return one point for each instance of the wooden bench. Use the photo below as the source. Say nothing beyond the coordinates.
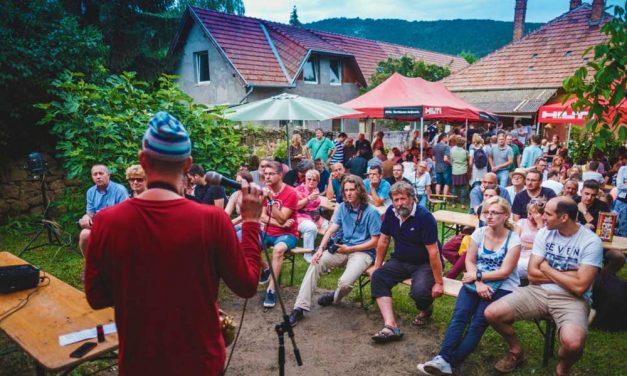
(290, 256)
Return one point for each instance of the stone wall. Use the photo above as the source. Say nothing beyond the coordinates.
(20, 192)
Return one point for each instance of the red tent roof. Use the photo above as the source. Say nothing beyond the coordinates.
(435, 99)
(558, 113)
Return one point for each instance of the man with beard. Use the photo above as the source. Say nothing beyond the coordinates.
(416, 256)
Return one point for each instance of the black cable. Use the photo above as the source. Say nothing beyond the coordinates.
(24, 301)
(241, 321)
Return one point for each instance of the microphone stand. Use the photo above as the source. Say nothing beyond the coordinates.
(284, 326)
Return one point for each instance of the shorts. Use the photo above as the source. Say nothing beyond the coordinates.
(444, 178)
(272, 240)
(534, 302)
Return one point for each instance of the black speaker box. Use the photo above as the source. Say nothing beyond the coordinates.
(18, 277)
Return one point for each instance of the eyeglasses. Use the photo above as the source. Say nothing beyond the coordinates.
(136, 180)
(492, 213)
(311, 179)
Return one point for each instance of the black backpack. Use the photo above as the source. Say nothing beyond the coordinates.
(480, 158)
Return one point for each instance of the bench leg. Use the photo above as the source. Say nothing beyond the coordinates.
(549, 341)
(292, 272)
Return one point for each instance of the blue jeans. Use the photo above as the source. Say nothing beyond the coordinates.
(621, 208)
(422, 200)
(503, 177)
(395, 271)
(468, 313)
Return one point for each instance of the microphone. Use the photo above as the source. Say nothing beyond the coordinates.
(214, 178)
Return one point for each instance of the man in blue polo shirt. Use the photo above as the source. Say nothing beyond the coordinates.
(103, 194)
(378, 189)
(416, 255)
(360, 225)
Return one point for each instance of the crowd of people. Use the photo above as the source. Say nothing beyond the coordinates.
(537, 210)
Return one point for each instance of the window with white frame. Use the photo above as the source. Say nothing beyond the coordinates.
(335, 71)
(310, 70)
(201, 65)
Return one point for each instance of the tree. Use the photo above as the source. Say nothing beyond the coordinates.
(468, 56)
(294, 21)
(409, 67)
(600, 84)
(38, 40)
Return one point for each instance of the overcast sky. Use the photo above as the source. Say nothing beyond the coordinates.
(412, 10)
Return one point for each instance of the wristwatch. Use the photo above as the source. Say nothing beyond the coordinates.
(479, 275)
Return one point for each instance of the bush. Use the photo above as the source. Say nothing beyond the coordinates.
(104, 123)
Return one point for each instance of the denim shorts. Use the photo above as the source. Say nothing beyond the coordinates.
(271, 240)
(444, 178)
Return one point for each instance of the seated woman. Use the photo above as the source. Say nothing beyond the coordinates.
(527, 229)
(308, 214)
(136, 179)
(487, 194)
(491, 274)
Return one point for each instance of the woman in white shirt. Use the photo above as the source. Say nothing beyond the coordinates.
(421, 181)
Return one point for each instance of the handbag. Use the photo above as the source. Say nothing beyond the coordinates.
(494, 285)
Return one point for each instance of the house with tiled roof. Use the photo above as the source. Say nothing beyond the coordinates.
(224, 59)
(517, 79)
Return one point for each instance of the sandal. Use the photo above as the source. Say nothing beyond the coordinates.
(389, 335)
(422, 318)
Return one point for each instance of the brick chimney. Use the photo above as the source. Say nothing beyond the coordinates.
(519, 19)
(598, 7)
(574, 4)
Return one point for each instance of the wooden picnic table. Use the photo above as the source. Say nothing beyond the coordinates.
(454, 221)
(55, 310)
(618, 242)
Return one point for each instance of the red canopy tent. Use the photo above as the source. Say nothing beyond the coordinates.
(405, 98)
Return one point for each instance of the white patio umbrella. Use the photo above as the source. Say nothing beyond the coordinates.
(287, 107)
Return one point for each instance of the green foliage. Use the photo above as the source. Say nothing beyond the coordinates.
(38, 40)
(104, 122)
(600, 84)
(280, 151)
(583, 144)
(468, 56)
(294, 21)
(409, 67)
(479, 37)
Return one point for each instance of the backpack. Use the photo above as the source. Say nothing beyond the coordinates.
(480, 158)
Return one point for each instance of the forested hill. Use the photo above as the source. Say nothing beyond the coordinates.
(448, 36)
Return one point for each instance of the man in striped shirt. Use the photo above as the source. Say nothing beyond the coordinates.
(338, 153)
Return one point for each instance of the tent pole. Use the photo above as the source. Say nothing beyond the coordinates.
(570, 126)
(287, 144)
(422, 136)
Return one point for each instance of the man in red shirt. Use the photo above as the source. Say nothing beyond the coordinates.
(282, 231)
(158, 259)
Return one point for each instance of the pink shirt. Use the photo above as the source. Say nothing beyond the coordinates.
(303, 192)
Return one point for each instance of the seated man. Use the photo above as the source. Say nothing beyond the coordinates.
(334, 188)
(553, 181)
(282, 231)
(103, 194)
(534, 190)
(296, 176)
(361, 225)
(377, 188)
(397, 174)
(324, 175)
(416, 256)
(358, 165)
(588, 215)
(204, 193)
(564, 262)
(476, 194)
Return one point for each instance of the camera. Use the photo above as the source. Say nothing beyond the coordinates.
(333, 245)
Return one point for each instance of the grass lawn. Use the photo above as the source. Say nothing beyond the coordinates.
(603, 354)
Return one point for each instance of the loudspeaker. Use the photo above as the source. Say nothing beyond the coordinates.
(18, 277)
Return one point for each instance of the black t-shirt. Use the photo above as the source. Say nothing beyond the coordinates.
(207, 194)
(594, 209)
(391, 180)
(522, 199)
(291, 179)
(358, 166)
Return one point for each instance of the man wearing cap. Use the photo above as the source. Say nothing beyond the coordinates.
(103, 194)
(158, 259)
(518, 182)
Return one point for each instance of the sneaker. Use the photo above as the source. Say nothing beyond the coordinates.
(509, 362)
(308, 257)
(264, 276)
(422, 371)
(270, 299)
(296, 315)
(438, 366)
(326, 299)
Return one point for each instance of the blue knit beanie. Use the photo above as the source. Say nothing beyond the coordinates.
(166, 139)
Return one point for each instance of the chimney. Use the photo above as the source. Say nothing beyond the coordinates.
(519, 19)
(598, 7)
(574, 4)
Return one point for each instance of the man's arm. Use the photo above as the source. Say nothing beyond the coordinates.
(436, 263)
(330, 193)
(534, 274)
(376, 200)
(281, 215)
(576, 282)
(491, 162)
(382, 250)
(371, 243)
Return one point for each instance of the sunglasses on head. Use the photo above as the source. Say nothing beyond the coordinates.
(538, 203)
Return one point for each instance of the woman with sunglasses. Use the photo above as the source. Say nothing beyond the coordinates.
(491, 260)
(136, 179)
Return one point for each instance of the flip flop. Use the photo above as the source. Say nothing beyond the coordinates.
(382, 336)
